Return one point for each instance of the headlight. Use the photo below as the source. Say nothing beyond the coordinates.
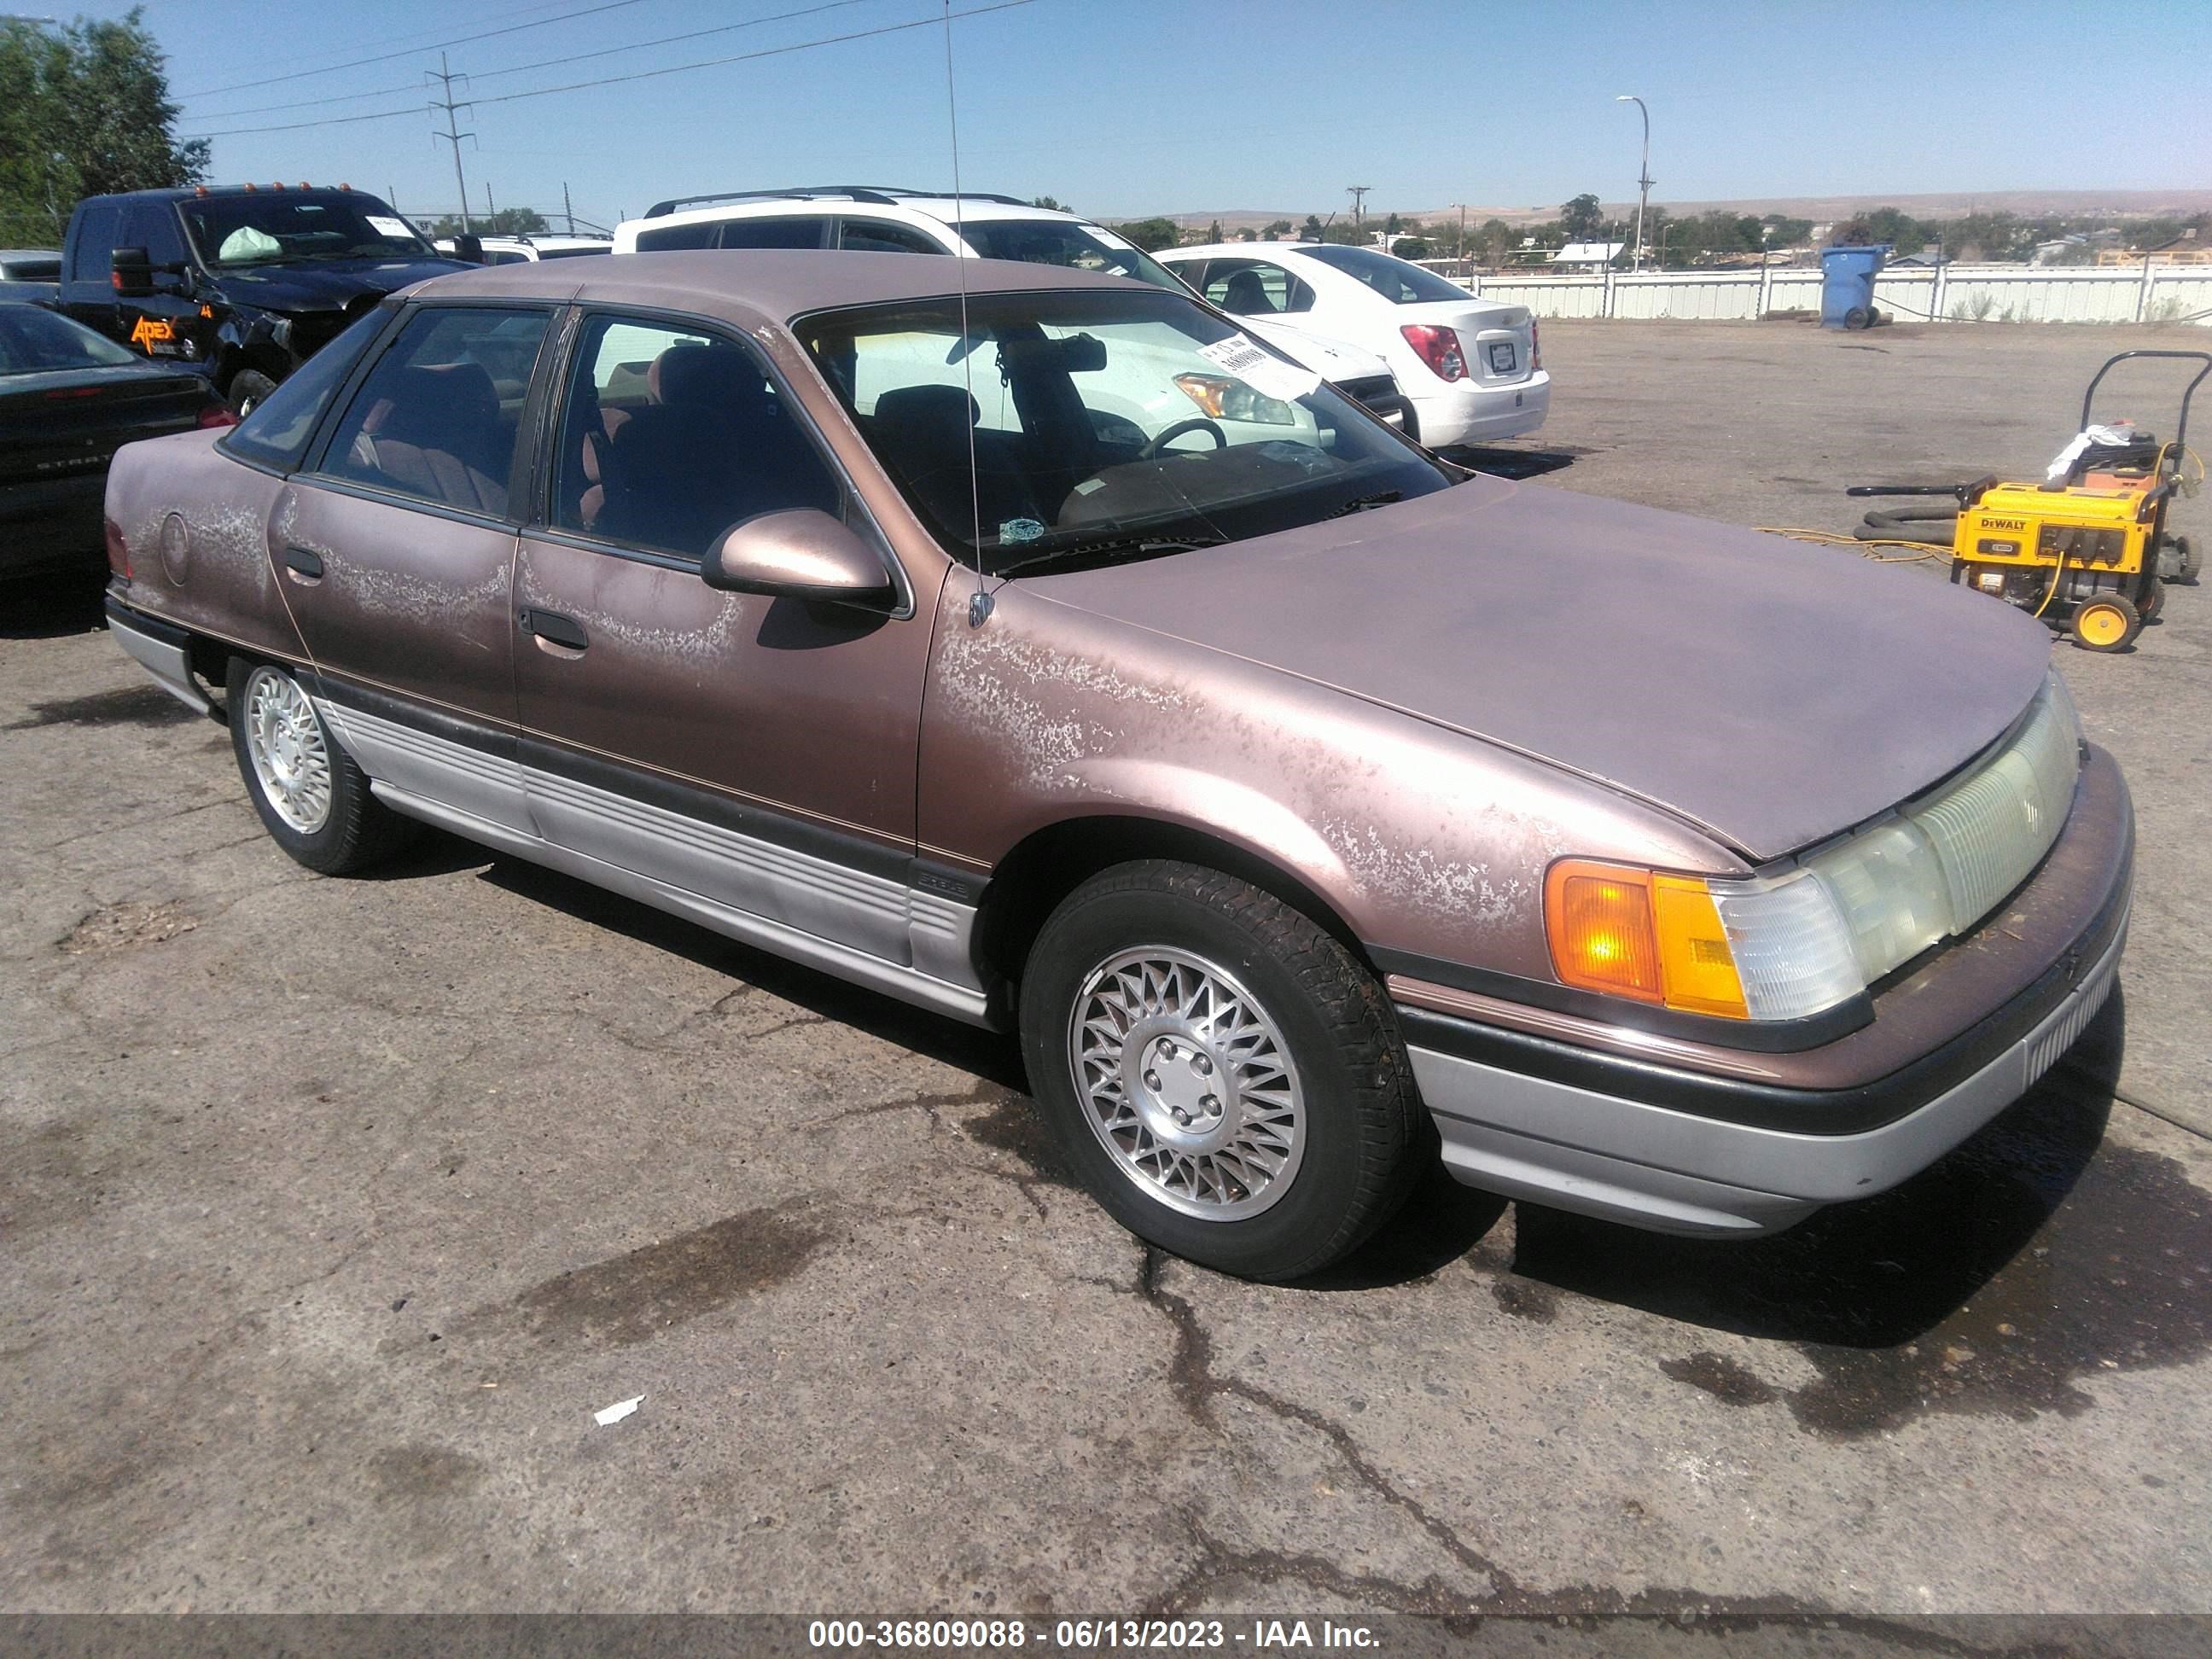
(1228, 400)
(1789, 944)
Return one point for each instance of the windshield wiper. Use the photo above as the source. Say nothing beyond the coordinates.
(1368, 503)
(1113, 550)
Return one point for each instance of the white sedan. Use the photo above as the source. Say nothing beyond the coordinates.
(1470, 366)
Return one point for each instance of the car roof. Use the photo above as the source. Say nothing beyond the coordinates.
(1234, 250)
(945, 209)
(30, 253)
(778, 283)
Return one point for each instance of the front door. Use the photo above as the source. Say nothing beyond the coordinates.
(395, 555)
(755, 753)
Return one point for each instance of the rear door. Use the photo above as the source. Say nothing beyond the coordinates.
(396, 555)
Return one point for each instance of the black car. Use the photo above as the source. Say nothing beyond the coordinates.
(69, 400)
(240, 283)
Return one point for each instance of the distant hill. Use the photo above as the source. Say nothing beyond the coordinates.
(1952, 204)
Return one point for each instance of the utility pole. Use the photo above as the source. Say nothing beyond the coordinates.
(1643, 176)
(445, 79)
(1359, 194)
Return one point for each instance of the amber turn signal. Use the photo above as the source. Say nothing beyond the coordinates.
(1629, 933)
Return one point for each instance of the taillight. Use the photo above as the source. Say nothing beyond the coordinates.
(215, 416)
(1439, 348)
(119, 550)
(1535, 348)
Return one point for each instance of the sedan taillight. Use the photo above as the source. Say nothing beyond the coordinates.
(119, 550)
(215, 416)
(1439, 348)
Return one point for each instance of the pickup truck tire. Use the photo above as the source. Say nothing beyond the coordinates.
(248, 388)
(312, 797)
(1225, 1075)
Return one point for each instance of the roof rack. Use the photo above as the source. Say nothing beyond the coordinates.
(878, 195)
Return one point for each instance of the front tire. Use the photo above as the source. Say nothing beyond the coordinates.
(312, 799)
(1228, 1080)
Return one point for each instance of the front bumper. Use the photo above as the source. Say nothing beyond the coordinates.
(1463, 414)
(1588, 1132)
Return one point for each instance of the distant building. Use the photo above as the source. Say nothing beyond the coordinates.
(2165, 256)
(1592, 254)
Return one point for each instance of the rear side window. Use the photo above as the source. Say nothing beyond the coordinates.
(669, 239)
(93, 256)
(1254, 288)
(773, 232)
(1395, 280)
(276, 434)
(437, 417)
(881, 236)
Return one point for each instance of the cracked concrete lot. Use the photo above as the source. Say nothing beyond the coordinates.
(332, 1210)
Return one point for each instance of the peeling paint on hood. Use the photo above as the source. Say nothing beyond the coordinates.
(1773, 693)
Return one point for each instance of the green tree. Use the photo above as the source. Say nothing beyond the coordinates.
(84, 110)
(1411, 247)
(1492, 240)
(1581, 218)
(1151, 234)
(1309, 231)
(1393, 225)
(1275, 228)
(1050, 205)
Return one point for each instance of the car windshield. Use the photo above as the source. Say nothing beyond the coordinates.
(1102, 425)
(34, 341)
(1398, 280)
(1074, 246)
(271, 228)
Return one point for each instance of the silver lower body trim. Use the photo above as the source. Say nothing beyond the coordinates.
(843, 961)
(171, 669)
(1670, 1171)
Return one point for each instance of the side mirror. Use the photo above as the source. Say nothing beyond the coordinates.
(469, 250)
(131, 273)
(799, 554)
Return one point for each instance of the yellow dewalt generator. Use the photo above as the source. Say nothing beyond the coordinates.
(2086, 548)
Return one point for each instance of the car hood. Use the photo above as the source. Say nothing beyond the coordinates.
(1332, 360)
(328, 286)
(1771, 692)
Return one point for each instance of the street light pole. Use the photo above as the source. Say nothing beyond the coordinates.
(1643, 175)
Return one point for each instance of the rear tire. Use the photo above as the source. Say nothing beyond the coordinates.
(2153, 602)
(2191, 559)
(1228, 1080)
(312, 799)
(248, 389)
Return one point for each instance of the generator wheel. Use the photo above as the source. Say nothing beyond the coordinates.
(2192, 560)
(1858, 317)
(2106, 623)
(2152, 602)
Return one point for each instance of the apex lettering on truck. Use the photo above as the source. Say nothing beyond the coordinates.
(240, 282)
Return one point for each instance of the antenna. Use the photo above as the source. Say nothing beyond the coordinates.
(449, 135)
(979, 604)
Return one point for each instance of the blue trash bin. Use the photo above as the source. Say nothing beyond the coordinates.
(1847, 277)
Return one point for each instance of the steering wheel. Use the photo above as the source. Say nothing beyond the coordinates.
(1196, 423)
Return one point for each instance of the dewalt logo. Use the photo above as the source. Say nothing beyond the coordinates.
(2004, 523)
(151, 329)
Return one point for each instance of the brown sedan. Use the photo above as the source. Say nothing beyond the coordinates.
(1051, 655)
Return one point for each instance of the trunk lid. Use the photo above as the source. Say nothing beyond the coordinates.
(1495, 339)
(68, 422)
(1771, 693)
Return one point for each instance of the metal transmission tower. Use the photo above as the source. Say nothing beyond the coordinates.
(446, 80)
(1359, 194)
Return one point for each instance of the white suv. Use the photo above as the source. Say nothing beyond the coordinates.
(884, 218)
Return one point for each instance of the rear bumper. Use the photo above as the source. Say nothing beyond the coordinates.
(1466, 415)
(1671, 1150)
(164, 652)
(51, 522)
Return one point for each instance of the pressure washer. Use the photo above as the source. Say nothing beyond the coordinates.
(2085, 548)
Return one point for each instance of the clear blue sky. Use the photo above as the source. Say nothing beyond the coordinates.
(1121, 106)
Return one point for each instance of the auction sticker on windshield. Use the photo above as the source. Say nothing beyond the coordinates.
(1269, 376)
(384, 226)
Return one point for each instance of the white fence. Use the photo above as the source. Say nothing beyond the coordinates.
(1954, 293)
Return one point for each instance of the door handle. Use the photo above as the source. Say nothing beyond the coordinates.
(304, 562)
(554, 629)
